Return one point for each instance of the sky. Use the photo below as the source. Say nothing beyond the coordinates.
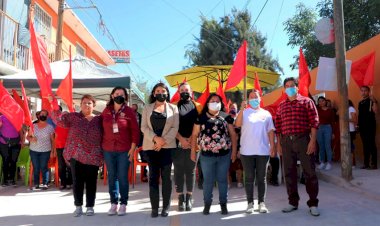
(158, 32)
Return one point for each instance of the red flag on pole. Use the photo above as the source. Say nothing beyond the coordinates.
(203, 98)
(304, 79)
(17, 98)
(239, 69)
(65, 89)
(272, 108)
(221, 93)
(10, 109)
(41, 62)
(28, 116)
(363, 70)
(258, 87)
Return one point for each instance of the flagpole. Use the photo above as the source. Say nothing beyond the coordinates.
(245, 70)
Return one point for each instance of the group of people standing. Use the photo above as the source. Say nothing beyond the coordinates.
(183, 134)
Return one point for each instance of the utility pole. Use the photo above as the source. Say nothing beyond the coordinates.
(58, 43)
(340, 52)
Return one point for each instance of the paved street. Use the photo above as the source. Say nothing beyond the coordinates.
(338, 206)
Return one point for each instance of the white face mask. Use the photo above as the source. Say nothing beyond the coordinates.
(214, 106)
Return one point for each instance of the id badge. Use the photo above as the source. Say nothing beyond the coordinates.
(115, 128)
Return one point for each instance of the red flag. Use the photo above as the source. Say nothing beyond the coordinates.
(176, 97)
(363, 70)
(28, 116)
(220, 92)
(258, 87)
(41, 62)
(65, 89)
(272, 108)
(203, 98)
(10, 109)
(304, 79)
(239, 69)
(17, 98)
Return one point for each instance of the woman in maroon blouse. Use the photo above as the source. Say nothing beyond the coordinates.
(324, 134)
(121, 134)
(83, 151)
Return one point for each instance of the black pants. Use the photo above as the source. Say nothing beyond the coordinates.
(184, 170)
(84, 174)
(294, 148)
(9, 155)
(63, 169)
(368, 136)
(275, 165)
(160, 163)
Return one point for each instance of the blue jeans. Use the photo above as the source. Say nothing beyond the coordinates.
(40, 164)
(324, 136)
(215, 168)
(117, 167)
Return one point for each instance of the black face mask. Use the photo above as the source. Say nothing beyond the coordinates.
(161, 97)
(119, 99)
(185, 96)
(43, 118)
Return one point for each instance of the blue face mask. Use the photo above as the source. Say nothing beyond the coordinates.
(255, 103)
(291, 91)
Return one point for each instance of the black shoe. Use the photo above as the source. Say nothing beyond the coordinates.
(165, 212)
(181, 202)
(62, 187)
(223, 208)
(154, 213)
(5, 184)
(200, 186)
(364, 167)
(206, 209)
(372, 168)
(189, 202)
(13, 183)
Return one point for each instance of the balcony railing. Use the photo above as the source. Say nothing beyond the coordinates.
(11, 51)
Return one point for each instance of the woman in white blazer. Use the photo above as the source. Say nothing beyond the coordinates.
(159, 123)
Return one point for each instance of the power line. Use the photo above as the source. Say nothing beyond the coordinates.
(275, 27)
(259, 14)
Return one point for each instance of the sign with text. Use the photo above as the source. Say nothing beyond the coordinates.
(120, 56)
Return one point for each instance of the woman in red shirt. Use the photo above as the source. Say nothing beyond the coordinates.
(120, 136)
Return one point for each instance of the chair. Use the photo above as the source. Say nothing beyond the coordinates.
(24, 161)
(105, 174)
(53, 163)
(137, 162)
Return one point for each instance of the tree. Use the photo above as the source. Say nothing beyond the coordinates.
(219, 41)
(362, 21)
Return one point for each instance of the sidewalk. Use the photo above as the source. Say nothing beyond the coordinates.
(365, 182)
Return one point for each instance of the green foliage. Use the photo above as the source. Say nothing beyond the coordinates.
(361, 18)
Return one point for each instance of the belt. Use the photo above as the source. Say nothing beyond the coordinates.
(294, 136)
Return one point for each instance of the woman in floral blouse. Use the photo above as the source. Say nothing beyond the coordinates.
(83, 151)
(217, 142)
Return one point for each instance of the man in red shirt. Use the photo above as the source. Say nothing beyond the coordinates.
(296, 126)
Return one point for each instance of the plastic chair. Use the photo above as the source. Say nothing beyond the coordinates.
(137, 162)
(24, 161)
(105, 174)
(53, 163)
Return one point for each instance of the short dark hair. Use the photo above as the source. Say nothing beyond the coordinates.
(152, 98)
(350, 104)
(111, 102)
(291, 79)
(321, 97)
(205, 108)
(43, 110)
(90, 97)
(366, 87)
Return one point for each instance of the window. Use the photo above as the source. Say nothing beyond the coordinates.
(80, 50)
(42, 22)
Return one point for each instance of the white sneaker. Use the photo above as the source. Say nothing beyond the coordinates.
(262, 208)
(113, 210)
(239, 185)
(90, 211)
(250, 208)
(328, 166)
(78, 211)
(122, 210)
(314, 211)
(321, 166)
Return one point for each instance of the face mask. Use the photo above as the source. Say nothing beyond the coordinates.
(43, 118)
(291, 91)
(214, 106)
(161, 97)
(185, 96)
(233, 112)
(119, 99)
(255, 103)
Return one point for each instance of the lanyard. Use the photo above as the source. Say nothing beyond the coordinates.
(118, 112)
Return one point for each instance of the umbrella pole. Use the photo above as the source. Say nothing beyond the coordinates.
(245, 88)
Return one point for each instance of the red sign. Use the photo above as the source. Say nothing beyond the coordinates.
(120, 56)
